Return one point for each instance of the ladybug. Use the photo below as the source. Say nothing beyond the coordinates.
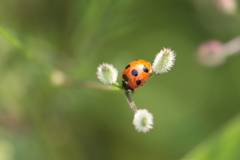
(135, 74)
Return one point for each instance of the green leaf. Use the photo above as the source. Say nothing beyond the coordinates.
(224, 144)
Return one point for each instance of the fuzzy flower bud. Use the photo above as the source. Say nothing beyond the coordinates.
(163, 61)
(143, 120)
(106, 73)
(58, 77)
(211, 53)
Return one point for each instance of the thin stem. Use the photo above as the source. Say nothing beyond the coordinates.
(16, 43)
(130, 102)
(90, 85)
(153, 74)
(232, 46)
(27, 53)
(117, 85)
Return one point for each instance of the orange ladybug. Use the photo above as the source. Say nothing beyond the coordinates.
(135, 74)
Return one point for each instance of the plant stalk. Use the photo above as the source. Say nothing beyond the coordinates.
(130, 102)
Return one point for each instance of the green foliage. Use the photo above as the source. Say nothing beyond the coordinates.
(52, 106)
(222, 145)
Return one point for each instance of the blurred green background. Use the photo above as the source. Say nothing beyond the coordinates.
(195, 108)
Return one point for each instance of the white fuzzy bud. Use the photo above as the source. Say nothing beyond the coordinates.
(106, 73)
(143, 120)
(163, 61)
(58, 77)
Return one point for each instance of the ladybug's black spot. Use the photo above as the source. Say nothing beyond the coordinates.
(145, 69)
(138, 82)
(127, 66)
(134, 72)
(125, 78)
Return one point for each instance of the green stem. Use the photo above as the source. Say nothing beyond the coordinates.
(153, 74)
(28, 54)
(90, 85)
(117, 85)
(15, 42)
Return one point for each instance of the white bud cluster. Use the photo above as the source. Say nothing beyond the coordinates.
(163, 61)
(106, 73)
(143, 120)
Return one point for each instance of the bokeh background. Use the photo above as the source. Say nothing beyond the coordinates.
(44, 116)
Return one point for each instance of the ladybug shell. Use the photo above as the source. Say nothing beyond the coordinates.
(135, 74)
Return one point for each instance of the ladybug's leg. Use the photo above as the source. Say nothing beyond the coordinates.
(126, 86)
(125, 83)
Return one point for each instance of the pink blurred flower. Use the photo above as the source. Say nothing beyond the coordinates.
(211, 53)
(227, 6)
